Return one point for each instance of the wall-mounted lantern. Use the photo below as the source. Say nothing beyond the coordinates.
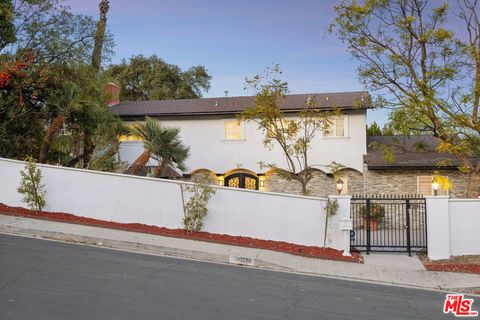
(261, 182)
(339, 186)
(435, 187)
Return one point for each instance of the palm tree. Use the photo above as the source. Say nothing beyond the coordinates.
(161, 143)
(100, 35)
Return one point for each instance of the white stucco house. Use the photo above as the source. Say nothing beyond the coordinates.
(228, 149)
(231, 152)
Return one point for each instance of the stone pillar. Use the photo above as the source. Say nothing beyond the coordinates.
(341, 224)
(438, 227)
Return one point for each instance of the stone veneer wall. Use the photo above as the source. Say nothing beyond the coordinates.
(405, 181)
(370, 182)
(321, 185)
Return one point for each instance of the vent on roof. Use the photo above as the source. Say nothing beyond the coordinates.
(326, 98)
(216, 103)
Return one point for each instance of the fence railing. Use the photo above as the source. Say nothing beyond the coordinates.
(395, 223)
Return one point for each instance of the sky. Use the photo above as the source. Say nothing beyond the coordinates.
(235, 40)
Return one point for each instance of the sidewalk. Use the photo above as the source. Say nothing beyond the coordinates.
(381, 268)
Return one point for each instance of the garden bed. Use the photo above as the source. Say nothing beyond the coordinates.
(305, 251)
(466, 264)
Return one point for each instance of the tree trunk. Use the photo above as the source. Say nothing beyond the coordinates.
(47, 140)
(88, 149)
(113, 150)
(303, 183)
(100, 35)
(159, 169)
(473, 186)
(139, 163)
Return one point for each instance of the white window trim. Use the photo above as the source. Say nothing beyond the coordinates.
(222, 132)
(431, 188)
(346, 128)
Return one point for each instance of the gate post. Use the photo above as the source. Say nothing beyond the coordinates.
(368, 225)
(438, 227)
(343, 221)
(409, 244)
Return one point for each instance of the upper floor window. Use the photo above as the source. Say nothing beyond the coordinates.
(337, 127)
(233, 130)
(287, 127)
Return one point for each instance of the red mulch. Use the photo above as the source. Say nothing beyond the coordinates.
(306, 251)
(453, 267)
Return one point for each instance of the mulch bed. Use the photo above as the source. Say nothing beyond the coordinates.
(305, 251)
(466, 264)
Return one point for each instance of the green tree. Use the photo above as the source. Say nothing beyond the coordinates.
(51, 100)
(152, 78)
(374, 130)
(161, 143)
(31, 186)
(293, 135)
(56, 35)
(7, 28)
(409, 56)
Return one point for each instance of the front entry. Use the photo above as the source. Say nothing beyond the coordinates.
(389, 223)
(242, 180)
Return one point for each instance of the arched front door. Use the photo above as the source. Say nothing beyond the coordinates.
(242, 180)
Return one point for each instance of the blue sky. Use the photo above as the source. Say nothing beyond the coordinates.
(236, 39)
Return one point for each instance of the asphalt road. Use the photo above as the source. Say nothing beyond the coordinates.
(49, 280)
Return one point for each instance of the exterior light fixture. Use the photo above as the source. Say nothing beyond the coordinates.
(435, 187)
(261, 182)
(221, 180)
(339, 186)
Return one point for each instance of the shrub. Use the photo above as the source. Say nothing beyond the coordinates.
(377, 212)
(31, 186)
(196, 208)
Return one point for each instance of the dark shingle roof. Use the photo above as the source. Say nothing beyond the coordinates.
(233, 105)
(410, 152)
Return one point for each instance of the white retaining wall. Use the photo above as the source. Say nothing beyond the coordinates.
(131, 199)
(453, 227)
(464, 226)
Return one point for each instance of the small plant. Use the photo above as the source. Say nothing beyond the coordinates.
(377, 212)
(196, 208)
(330, 211)
(332, 207)
(31, 186)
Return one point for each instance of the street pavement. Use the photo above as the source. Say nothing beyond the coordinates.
(383, 268)
(41, 279)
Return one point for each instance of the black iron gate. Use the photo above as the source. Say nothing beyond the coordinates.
(394, 223)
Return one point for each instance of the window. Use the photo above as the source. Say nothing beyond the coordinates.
(233, 130)
(424, 186)
(289, 127)
(337, 127)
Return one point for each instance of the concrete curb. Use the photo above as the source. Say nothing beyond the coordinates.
(135, 247)
(384, 273)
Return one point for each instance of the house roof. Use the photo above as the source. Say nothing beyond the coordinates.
(167, 172)
(410, 152)
(234, 105)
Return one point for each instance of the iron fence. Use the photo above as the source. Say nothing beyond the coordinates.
(395, 223)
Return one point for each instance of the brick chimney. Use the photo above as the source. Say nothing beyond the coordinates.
(113, 94)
